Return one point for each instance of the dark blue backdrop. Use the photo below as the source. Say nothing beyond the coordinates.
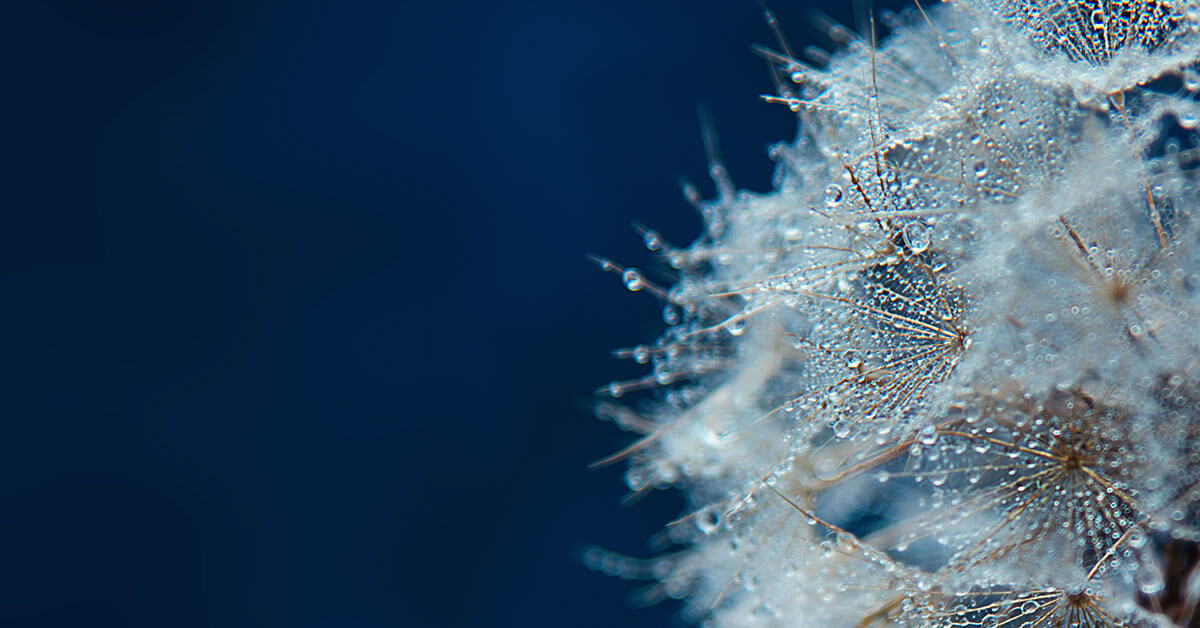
(298, 328)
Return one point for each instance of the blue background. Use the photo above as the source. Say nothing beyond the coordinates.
(298, 328)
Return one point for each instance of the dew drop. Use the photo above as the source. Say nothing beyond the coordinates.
(917, 236)
(652, 240)
(833, 195)
(791, 226)
(633, 279)
(928, 435)
(707, 520)
(974, 475)
(1191, 80)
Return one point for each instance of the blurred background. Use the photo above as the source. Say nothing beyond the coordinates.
(298, 327)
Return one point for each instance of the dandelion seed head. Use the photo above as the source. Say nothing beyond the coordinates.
(946, 373)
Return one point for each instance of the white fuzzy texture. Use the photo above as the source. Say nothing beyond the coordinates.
(948, 372)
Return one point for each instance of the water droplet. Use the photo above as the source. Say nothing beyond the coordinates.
(633, 279)
(792, 226)
(974, 475)
(1150, 580)
(928, 435)
(917, 236)
(833, 195)
(1191, 80)
(652, 240)
(707, 520)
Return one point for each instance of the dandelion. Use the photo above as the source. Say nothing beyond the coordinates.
(948, 372)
